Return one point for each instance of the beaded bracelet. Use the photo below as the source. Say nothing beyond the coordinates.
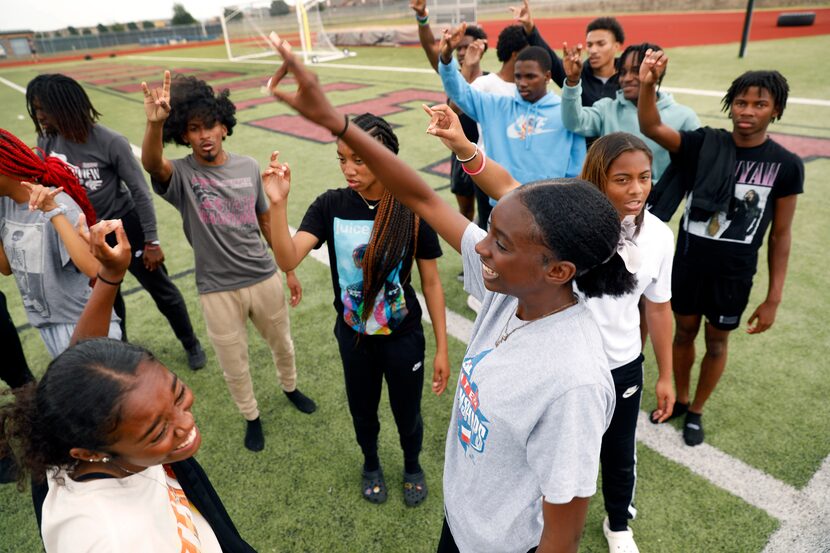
(471, 158)
(480, 169)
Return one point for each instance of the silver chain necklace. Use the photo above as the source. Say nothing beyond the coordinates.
(505, 334)
(365, 201)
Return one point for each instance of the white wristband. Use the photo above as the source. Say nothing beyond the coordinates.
(60, 210)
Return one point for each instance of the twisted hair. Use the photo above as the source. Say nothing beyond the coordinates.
(77, 403)
(18, 161)
(191, 98)
(395, 228)
(66, 103)
(639, 53)
(578, 224)
(602, 154)
(772, 81)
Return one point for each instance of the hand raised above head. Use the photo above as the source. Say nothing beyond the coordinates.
(444, 124)
(418, 6)
(157, 101)
(522, 15)
(572, 62)
(475, 51)
(309, 99)
(653, 66)
(450, 40)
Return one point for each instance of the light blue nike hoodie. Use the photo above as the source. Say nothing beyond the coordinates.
(528, 139)
(620, 115)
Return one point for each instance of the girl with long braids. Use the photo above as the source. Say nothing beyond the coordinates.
(372, 243)
(40, 244)
(112, 430)
(534, 394)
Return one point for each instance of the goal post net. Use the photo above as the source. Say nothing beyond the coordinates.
(246, 27)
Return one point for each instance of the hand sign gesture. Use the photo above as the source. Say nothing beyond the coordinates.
(308, 99)
(277, 180)
(157, 102)
(521, 14)
(41, 197)
(653, 66)
(450, 40)
(474, 52)
(419, 7)
(572, 63)
(444, 124)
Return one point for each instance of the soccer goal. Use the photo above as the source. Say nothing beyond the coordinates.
(246, 28)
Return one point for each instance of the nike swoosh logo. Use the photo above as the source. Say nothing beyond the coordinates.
(417, 366)
(630, 392)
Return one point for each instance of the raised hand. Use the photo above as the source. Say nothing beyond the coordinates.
(444, 124)
(41, 197)
(276, 179)
(474, 52)
(308, 99)
(572, 63)
(450, 40)
(653, 66)
(521, 14)
(114, 259)
(157, 102)
(419, 7)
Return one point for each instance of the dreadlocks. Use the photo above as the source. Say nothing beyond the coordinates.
(395, 226)
(772, 81)
(639, 53)
(19, 161)
(65, 102)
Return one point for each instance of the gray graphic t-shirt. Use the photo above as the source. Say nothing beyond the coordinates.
(53, 289)
(527, 419)
(219, 207)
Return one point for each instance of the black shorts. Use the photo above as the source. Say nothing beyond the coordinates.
(461, 184)
(721, 300)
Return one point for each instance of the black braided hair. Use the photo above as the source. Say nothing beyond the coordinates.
(639, 53)
(66, 102)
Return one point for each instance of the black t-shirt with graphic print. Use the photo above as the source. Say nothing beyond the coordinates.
(727, 243)
(342, 219)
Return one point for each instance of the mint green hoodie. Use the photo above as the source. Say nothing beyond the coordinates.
(620, 115)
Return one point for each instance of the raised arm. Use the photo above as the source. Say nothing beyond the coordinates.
(471, 69)
(576, 117)
(157, 109)
(522, 15)
(778, 256)
(114, 261)
(396, 175)
(653, 65)
(493, 179)
(43, 198)
(288, 251)
(425, 36)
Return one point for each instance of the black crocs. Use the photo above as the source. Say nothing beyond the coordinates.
(374, 486)
(414, 488)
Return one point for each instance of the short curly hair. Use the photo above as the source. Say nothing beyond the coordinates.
(191, 98)
(511, 39)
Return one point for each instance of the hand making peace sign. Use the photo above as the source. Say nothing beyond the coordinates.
(157, 102)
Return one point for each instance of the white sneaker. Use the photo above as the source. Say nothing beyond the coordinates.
(619, 542)
(474, 304)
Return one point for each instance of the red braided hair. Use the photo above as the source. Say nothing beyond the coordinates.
(18, 160)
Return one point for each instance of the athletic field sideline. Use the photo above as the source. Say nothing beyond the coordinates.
(759, 484)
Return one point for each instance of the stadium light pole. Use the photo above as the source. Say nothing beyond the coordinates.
(747, 22)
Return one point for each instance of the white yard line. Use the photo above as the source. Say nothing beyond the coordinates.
(804, 515)
(383, 68)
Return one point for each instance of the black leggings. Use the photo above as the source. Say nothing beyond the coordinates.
(367, 360)
(13, 369)
(169, 300)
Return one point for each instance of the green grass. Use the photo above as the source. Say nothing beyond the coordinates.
(302, 492)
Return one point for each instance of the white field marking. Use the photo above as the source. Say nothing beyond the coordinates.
(805, 515)
(12, 85)
(275, 62)
(674, 90)
(809, 529)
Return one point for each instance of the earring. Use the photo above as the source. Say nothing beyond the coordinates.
(105, 459)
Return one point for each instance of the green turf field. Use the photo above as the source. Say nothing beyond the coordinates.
(302, 493)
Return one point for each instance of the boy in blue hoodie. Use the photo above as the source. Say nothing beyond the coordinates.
(609, 115)
(523, 132)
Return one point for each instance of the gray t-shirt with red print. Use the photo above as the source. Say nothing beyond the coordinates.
(219, 206)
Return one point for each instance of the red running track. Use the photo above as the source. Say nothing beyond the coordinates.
(669, 30)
